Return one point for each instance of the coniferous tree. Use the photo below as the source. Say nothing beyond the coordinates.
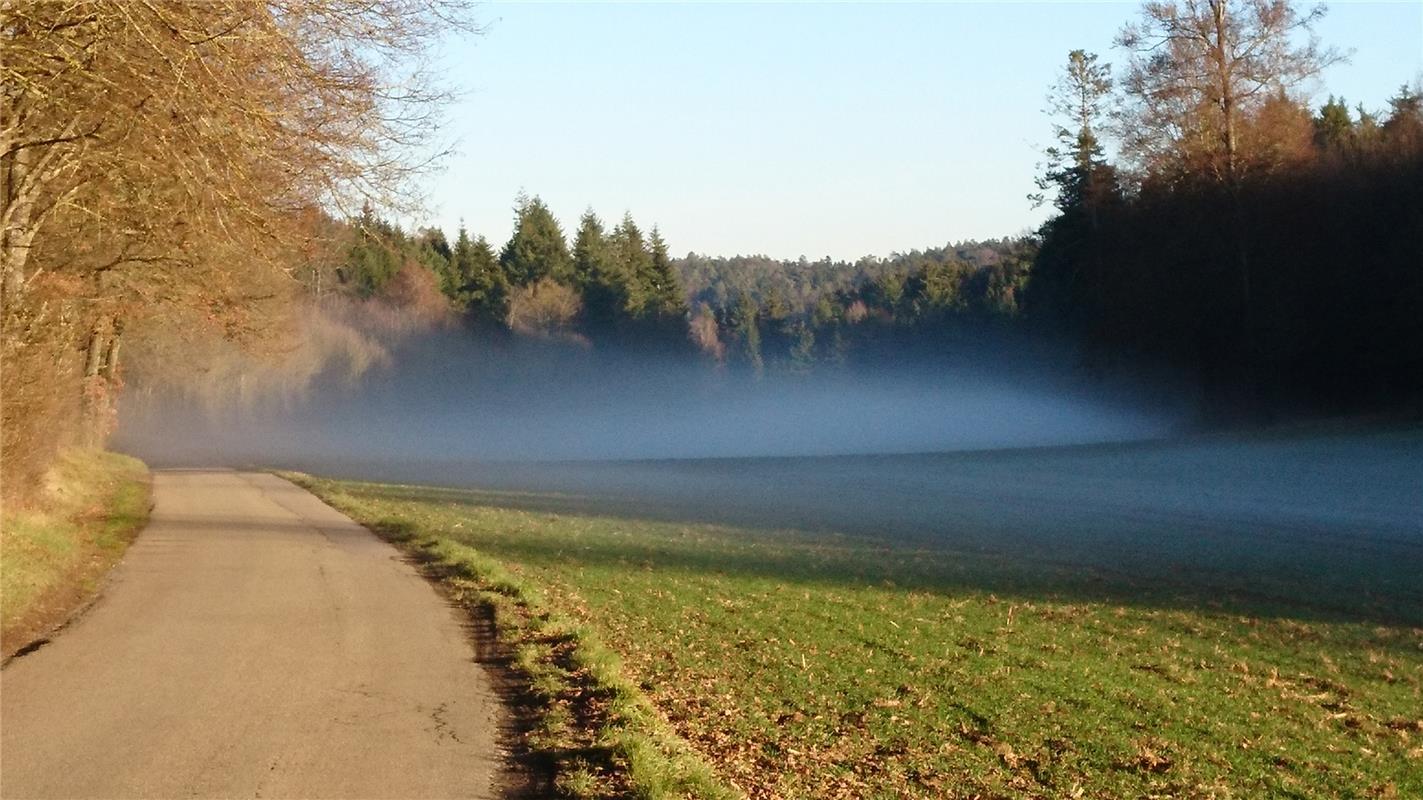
(634, 264)
(590, 250)
(537, 249)
(1082, 183)
(432, 251)
(1403, 130)
(802, 353)
(663, 287)
(598, 275)
(1333, 128)
(370, 260)
(1075, 163)
(483, 291)
(775, 323)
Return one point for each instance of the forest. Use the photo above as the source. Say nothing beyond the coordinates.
(1277, 266)
(1209, 218)
(620, 288)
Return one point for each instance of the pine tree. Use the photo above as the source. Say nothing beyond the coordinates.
(1333, 128)
(487, 288)
(634, 263)
(597, 274)
(537, 249)
(664, 289)
(1077, 173)
(590, 251)
(481, 288)
(370, 261)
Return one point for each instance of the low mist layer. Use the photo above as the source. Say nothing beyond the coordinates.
(1049, 467)
(450, 396)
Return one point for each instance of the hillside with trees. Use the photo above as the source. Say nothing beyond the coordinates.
(1206, 219)
(1268, 251)
(619, 288)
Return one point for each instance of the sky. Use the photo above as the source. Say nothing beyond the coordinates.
(797, 129)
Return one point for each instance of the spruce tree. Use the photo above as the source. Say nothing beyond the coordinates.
(370, 261)
(537, 249)
(664, 289)
(590, 250)
(597, 275)
(487, 289)
(433, 251)
(481, 290)
(1333, 128)
(634, 264)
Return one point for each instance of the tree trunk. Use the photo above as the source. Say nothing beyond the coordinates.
(1229, 110)
(98, 344)
(16, 236)
(1227, 88)
(111, 358)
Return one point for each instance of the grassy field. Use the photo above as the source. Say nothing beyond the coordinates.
(53, 556)
(820, 665)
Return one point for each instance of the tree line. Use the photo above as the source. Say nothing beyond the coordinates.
(1271, 250)
(178, 173)
(1268, 249)
(620, 288)
(614, 284)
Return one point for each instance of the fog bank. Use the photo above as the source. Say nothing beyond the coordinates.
(449, 396)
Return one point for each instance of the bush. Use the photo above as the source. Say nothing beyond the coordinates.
(545, 309)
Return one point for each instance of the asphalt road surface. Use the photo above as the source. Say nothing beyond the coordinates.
(253, 643)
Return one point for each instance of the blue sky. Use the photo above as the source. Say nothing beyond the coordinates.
(797, 129)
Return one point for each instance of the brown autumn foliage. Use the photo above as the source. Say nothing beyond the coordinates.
(546, 309)
(705, 333)
(161, 168)
(1198, 68)
(413, 300)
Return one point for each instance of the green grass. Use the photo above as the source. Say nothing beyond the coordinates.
(596, 731)
(806, 665)
(53, 555)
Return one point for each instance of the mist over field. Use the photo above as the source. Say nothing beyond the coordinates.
(448, 396)
(1012, 451)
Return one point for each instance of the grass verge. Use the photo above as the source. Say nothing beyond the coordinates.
(819, 665)
(54, 555)
(594, 730)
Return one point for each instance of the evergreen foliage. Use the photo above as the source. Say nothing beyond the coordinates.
(1292, 273)
(481, 288)
(537, 249)
(1275, 256)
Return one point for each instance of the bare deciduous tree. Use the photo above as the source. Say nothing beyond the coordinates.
(167, 158)
(1198, 67)
(1198, 70)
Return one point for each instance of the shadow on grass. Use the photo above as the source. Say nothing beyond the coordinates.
(1198, 568)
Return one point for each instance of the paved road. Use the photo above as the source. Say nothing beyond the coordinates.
(253, 643)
